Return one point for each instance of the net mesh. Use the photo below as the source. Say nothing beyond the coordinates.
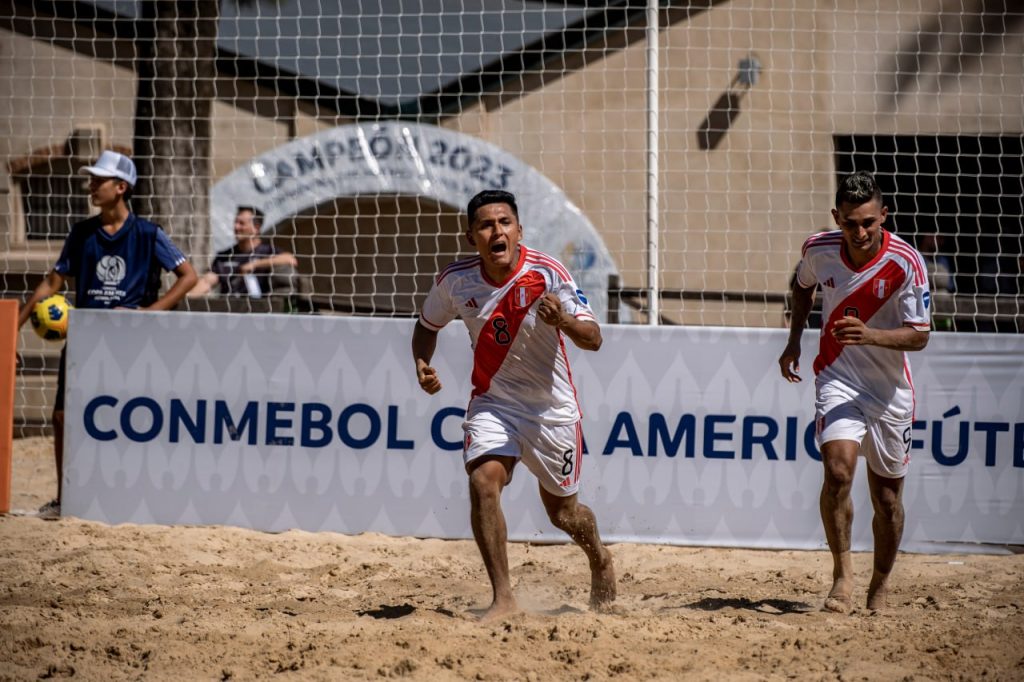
(360, 129)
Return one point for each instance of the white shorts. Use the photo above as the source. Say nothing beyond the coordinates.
(551, 451)
(884, 442)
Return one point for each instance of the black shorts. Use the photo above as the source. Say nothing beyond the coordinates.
(58, 403)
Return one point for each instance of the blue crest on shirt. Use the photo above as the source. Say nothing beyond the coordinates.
(579, 295)
(927, 297)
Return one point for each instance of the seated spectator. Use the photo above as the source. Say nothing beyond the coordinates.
(940, 267)
(252, 267)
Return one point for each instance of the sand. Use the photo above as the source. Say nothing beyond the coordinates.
(95, 602)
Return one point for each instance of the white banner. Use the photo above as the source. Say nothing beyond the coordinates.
(275, 422)
(411, 159)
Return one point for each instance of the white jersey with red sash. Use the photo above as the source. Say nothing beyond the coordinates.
(888, 292)
(519, 362)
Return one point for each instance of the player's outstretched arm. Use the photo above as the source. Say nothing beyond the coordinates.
(851, 331)
(424, 341)
(586, 334)
(789, 361)
(51, 284)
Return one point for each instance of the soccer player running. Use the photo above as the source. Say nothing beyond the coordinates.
(875, 307)
(517, 304)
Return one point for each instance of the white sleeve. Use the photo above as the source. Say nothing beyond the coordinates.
(574, 301)
(805, 276)
(438, 310)
(915, 299)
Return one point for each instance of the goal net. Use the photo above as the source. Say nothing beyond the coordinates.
(359, 130)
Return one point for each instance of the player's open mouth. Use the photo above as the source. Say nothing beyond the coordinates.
(500, 247)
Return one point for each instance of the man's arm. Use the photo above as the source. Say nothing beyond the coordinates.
(281, 259)
(851, 331)
(789, 361)
(204, 285)
(424, 342)
(186, 280)
(586, 334)
(51, 284)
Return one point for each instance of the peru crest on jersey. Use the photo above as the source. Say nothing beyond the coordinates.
(888, 292)
(519, 361)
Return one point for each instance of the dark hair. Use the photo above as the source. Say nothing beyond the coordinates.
(858, 188)
(257, 215)
(490, 196)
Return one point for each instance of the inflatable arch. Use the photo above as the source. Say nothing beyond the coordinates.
(412, 160)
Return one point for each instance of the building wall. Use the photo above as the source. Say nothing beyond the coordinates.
(731, 218)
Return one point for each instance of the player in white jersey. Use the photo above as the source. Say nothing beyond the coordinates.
(517, 304)
(875, 307)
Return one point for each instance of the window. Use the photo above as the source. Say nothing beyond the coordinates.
(53, 198)
(958, 198)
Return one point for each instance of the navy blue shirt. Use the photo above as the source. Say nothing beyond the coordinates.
(228, 261)
(119, 270)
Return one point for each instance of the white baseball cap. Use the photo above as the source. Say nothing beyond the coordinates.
(113, 165)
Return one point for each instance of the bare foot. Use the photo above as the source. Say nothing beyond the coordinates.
(498, 610)
(839, 599)
(602, 582)
(878, 592)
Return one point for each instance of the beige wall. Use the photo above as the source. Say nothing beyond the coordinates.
(48, 91)
(967, 90)
(731, 218)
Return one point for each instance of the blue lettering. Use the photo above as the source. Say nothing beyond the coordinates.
(1018, 445)
(311, 423)
(990, 429)
(623, 421)
(380, 146)
(90, 417)
(332, 150)
(710, 436)
(501, 182)
(961, 450)
(918, 425)
(284, 171)
(393, 442)
(764, 440)
(372, 434)
(480, 173)
(355, 149)
(438, 148)
(156, 415)
(459, 159)
(180, 416)
(305, 164)
(222, 417)
(791, 431)
(275, 422)
(658, 430)
(437, 433)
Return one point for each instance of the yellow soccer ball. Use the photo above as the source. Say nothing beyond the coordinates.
(50, 317)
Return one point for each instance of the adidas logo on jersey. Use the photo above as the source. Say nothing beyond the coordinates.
(830, 283)
(565, 483)
(471, 303)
